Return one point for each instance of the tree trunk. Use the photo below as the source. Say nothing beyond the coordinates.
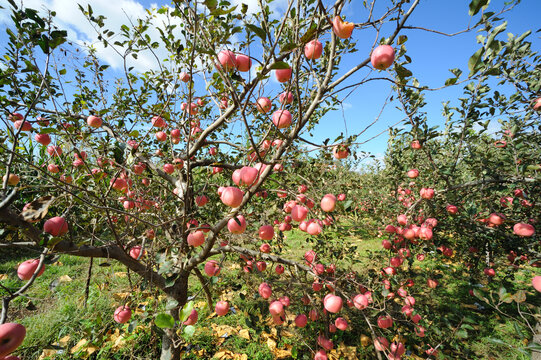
(171, 342)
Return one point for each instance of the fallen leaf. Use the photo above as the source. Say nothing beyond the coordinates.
(245, 334)
(3, 276)
(64, 278)
(121, 274)
(64, 341)
(271, 344)
(121, 295)
(79, 346)
(282, 354)
(47, 353)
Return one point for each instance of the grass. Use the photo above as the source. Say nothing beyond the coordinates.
(55, 316)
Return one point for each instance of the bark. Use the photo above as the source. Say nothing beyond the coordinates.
(171, 342)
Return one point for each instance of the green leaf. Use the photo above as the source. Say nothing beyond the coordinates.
(186, 311)
(476, 5)
(475, 61)
(164, 321)
(494, 33)
(189, 330)
(288, 48)
(258, 31)
(171, 304)
(280, 65)
(497, 341)
(520, 296)
(294, 352)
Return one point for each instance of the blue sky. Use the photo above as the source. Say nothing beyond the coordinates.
(432, 55)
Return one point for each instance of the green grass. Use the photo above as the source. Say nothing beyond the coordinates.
(471, 330)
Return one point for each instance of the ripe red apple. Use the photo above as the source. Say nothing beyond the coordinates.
(158, 121)
(537, 104)
(382, 57)
(333, 304)
(221, 308)
(451, 209)
(11, 336)
(313, 50)
(94, 121)
(23, 125)
(328, 203)
(523, 229)
(248, 176)
(119, 184)
(299, 213)
(314, 228)
(340, 152)
(201, 200)
(432, 283)
(56, 226)
(321, 355)
(342, 29)
(161, 136)
(415, 144)
(266, 232)
(413, 173)
(184, 76)
(385, 322)
(263, 105)
(282, 119)
(234, 227)
(265, 248)
(212, 268)
(283, 75)
(265, 290)
(325, 343)
(341, 323)
(489, 272)
(427, 193)
(135, 252)
(496, 219)
(227, 59)
(301, 320)
(243, 62)
(54, 151)
(196, 238)
(43, 139)
(192, 318)
(536, 283)
(15, 116)
(381, 344)
(286, 97)
(122, 314)
(276, 308)
(402, 219)
(28, 268)
(169, 168)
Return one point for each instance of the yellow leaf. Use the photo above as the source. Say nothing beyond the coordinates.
(121, 274)
(271, 344)
(121, 295)
(64, 341)
(64, 278)
(79, 346)
(245, 334)
(3, 276)
(282, 354)
(286, 333)
(47, 353)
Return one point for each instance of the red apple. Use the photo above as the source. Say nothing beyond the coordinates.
(313, 50)
(263, 105)
(54, 151)
(283, 75)
(282, 119)
(184, 76)
(328, 203)
(43, 139)
(385, 322)
(221, 308)
(381, 344)
(451, 209)
(192, 318)
(537, 104)
(415, 144)
(122, 314)
(299, 213)
(382, 57)
(227, 59)
(158, 122)
(56, 226)
(28, 268)
(321, 355)
(94, 121)
(169, 168)
(301, 320)
(23, 125)
(234, 227)
(265, 290)
(243, 62)
(276, 308)
(286, 97)
(232, 196)
(266, 232)
(196, 238)
(342, 29)
(333, 303)
(212, 268)
(536, 283)
(522, 229)
(11, 336)
(135, 252)
(340, 152)
(413, 173)
(161, 136)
